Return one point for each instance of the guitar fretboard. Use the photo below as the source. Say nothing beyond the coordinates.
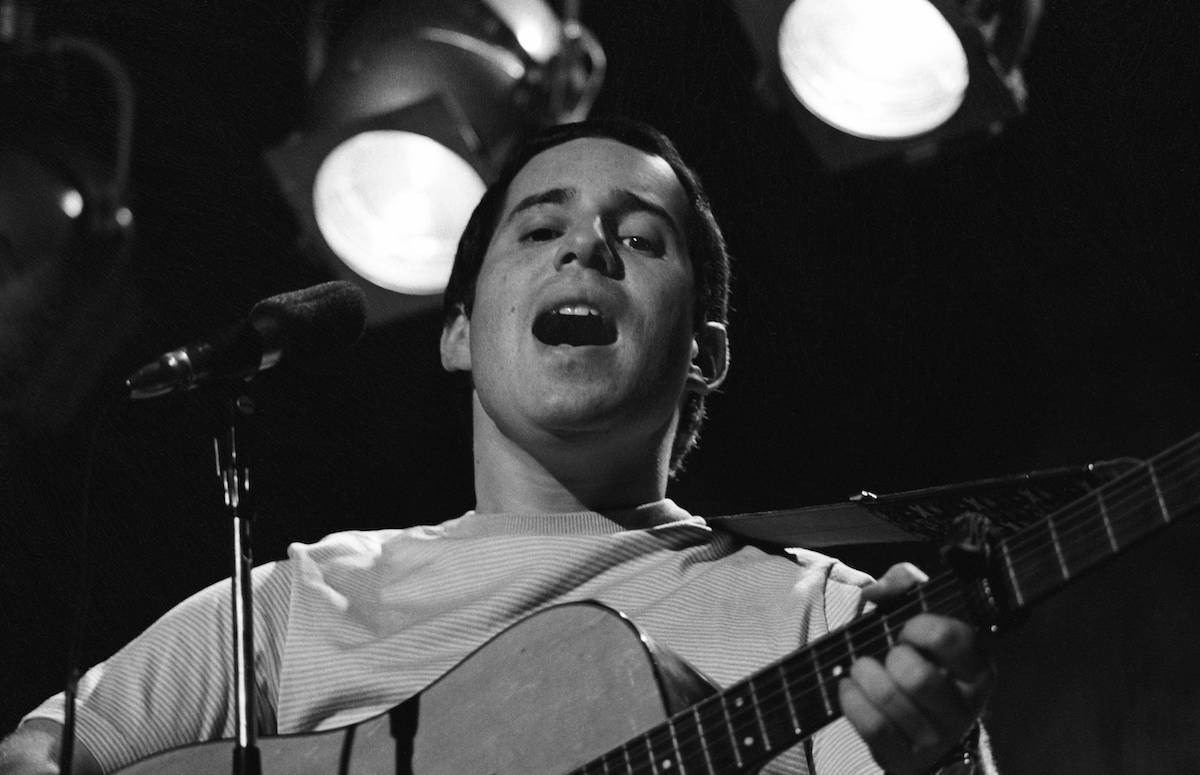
(754, 720)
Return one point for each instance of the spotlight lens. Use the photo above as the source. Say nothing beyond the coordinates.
(879, 69)
(392, 206)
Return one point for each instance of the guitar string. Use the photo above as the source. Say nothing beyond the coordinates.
(1123, 509)
(695, 725)
(690, 725)
(1085, 505)
(1079, 532)
(939, 594)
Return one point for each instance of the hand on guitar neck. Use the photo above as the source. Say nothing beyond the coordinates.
(917, 705)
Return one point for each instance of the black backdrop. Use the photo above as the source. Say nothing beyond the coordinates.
(1026, 305)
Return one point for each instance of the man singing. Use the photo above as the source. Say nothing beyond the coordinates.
(588, 305)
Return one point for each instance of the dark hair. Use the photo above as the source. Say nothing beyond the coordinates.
(710, 261)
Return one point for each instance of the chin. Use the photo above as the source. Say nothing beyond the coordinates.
(579, 414)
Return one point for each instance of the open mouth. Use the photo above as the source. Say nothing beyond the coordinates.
(576, 325)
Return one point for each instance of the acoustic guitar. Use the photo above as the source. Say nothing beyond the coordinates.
(577, 688)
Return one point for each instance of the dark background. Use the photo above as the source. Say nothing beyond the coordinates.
(1028, 304)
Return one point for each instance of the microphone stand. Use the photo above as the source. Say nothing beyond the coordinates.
(234, 473)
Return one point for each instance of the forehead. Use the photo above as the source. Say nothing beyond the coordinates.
(596, 166)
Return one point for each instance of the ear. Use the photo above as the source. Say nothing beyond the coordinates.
(456, 343)
(710, 358)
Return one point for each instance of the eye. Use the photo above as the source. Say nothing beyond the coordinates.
(539, 234)
(642, 244)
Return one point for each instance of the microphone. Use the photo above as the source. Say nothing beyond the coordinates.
(298, 325)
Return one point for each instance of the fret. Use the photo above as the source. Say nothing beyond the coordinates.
(1158, 493)
(656, 756)
(745, 723)
(1181, 485)
(780, 722)
(733, 738)
(690, 758)
(762, 725)
(889, 629)
(785, 685)
(1037, 560)
(1112, 537)
(602, 763)
(1136, 509)
(1085, 533)
(720, 750)
(869, 636)
(708, 764)
(637, 752)
(816, 667)
(1180, 480)
(921, 598)
(675, 747)
(1058, 552)
(1012, 576)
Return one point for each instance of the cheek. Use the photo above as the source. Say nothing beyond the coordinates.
(672, 308)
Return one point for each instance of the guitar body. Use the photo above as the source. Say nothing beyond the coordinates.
(550, 693)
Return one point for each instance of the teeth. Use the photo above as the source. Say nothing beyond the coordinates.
(577, 309)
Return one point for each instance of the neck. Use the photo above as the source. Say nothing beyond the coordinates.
(565, 473)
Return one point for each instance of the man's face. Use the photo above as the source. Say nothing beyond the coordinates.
(582, 320)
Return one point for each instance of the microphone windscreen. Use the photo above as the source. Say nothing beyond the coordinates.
(316, 320)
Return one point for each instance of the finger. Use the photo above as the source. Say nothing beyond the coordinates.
(950, 643)
(890, 747)
(888, 698)
(898, 579)
(932, 689)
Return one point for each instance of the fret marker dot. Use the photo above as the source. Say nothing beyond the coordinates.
(837, 671)
(739, 702)
(666, 764)
(747, 741)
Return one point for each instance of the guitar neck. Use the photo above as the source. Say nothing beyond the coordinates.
(754, 720)
(1043, 557)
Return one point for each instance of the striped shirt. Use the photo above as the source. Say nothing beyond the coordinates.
(352, 625)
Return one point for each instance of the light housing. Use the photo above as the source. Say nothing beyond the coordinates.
(49, 195)
(865, 80)
(369, 232)
(65, 230)
(65, 140)
(410, 112)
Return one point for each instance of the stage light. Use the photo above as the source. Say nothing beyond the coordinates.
(870, 79)
(374, 198)
(410, 111)
(41, 208)
(60, 192)
(65, 229)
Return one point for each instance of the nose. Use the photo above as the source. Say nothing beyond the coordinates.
(589, 246)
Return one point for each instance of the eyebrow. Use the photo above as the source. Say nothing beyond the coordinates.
(627, 202)
(551, 196)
